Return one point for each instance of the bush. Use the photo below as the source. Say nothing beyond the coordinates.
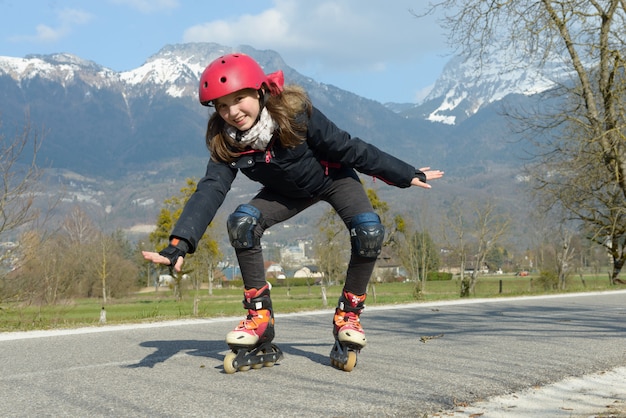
(548, 279)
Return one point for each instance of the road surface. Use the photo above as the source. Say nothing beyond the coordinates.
(422, 359)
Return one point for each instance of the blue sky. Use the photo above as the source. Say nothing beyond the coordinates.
(374, 48)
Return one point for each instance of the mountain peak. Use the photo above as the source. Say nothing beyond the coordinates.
(59, 67)
(63, 58)
(468, 84)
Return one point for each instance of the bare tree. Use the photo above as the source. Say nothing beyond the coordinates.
(104, 265)
(564, 256)
(485, 227)
(113, 265)
(331, 243)
(76, 261)
(490, 227)
(454, 234)
(583, 168)
(416, 250)
(78, 227)
(38, 278)
(80, 234)
(204, 261)
(556, 248)
(406, 245)
(19, 177)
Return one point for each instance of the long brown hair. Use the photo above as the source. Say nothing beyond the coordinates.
(284, 108)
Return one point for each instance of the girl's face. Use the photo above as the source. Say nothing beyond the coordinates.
(239, 109)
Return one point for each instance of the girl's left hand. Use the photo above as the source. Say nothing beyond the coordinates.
(430, 175)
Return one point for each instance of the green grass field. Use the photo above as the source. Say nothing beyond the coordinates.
(150, 306)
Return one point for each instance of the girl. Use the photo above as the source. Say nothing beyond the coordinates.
(275, 136)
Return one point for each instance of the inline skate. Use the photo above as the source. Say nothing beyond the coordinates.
(347, 330)
(251, 340)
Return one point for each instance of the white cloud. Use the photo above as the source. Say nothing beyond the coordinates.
(346, 35)
(68, 20)
(263, 29)
(71, 17)
(45, 34)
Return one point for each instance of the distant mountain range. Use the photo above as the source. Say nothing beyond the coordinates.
(111, 123)
(98, 123)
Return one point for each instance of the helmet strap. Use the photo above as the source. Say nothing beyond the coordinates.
(263, 97)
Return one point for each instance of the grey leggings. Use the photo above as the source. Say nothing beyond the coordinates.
(345, 194)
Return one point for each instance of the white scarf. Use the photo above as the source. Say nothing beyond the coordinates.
(256, 137)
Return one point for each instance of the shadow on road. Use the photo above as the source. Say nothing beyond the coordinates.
(211, 349)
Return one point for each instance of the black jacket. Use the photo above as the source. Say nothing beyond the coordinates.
(299, 172)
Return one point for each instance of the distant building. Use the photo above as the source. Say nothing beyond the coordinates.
(231, 272)
(167, 280)
(274, 270)
(293, 254)
(309, 271)
(388, 269)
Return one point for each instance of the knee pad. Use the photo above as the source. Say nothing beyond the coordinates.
(367, 235)
(241, 225)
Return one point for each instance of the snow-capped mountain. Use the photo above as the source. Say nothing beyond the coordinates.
(175, 68)
(64, 69)
(99, 119)
(466, 85)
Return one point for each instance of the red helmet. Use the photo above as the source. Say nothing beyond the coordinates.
(234, 72)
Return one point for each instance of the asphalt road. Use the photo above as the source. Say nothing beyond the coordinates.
(420, 359)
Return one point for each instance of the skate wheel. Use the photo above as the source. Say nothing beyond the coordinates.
(229, 358)
(259, 365)
(268, 364)
(351, 362)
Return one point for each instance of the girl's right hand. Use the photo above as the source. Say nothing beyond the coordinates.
(157, 258)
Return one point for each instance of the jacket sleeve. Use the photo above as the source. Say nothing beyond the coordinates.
(203, 204)
(338, 146)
